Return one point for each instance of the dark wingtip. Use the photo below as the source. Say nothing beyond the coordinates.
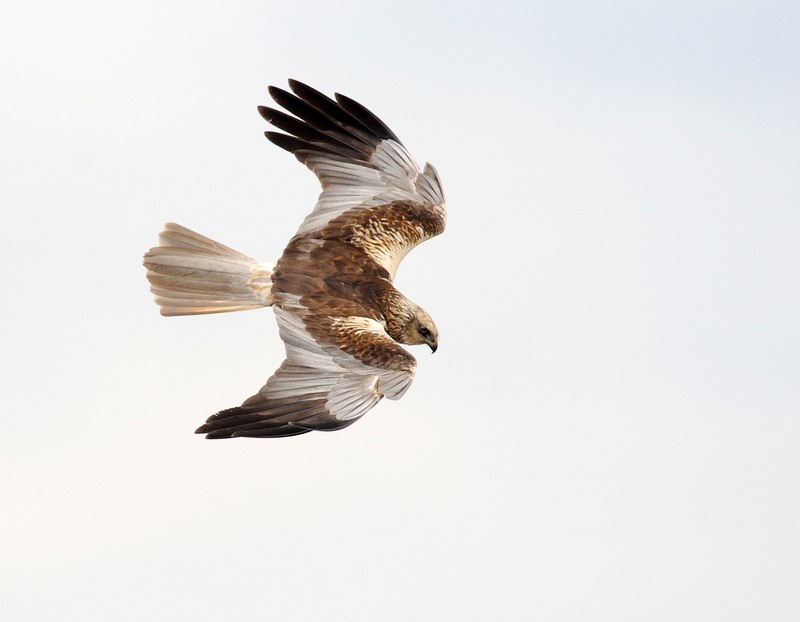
(296, 84)
(368, 118)
(279, 95)
(215, 436)
(202, 429)
(341, 127)
(284, 141)
(264, 112)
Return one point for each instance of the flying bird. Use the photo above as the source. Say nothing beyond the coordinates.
(340, 316)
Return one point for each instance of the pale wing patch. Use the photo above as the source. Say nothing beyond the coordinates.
(352, 397)
(313, 389)
(338, 395)
(429, 186)
(302, 349)
(389, 176)
(349, 386)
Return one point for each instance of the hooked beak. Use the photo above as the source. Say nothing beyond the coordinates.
(433, 346)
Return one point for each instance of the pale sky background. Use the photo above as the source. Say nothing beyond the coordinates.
(610, 430)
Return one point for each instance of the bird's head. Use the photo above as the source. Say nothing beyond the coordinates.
(421, 329)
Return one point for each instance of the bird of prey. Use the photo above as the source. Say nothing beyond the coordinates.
(340, 317)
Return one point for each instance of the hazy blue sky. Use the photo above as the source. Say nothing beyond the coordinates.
(610, 428)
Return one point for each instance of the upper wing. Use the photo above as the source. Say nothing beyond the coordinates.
(359, 161)
(336, 369)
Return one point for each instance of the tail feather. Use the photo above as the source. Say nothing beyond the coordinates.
(191, 274)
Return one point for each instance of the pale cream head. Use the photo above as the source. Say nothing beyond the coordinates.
(421, 329)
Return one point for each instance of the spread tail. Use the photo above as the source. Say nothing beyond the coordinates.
(191, 274)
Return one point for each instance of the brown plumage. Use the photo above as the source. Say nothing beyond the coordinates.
(338, 312)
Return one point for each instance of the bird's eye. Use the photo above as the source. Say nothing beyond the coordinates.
(424, 332)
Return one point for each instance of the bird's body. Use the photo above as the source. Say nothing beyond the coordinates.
(338, 312)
